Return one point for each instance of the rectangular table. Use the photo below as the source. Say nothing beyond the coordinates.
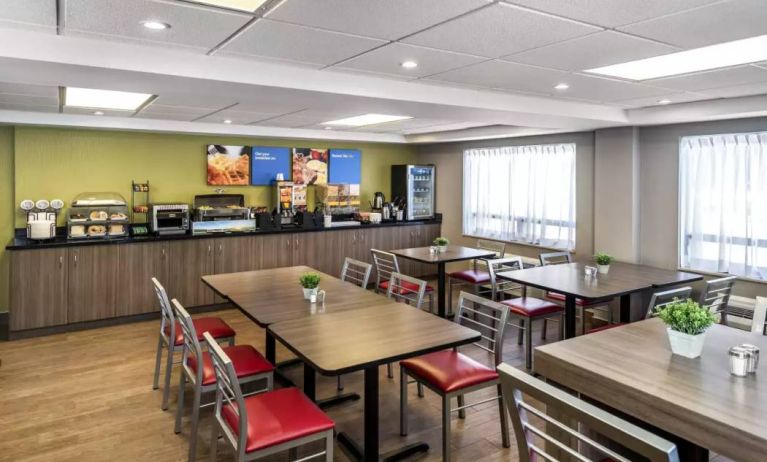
(623, 280)
(631, 369)
(365, 339)
(452, 254)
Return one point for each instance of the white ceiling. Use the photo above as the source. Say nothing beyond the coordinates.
(299, 63)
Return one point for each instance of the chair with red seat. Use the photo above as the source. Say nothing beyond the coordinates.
(405, 289)
(385, 264)
(169, 329)
(451, 374)
(263, 424)
(563, 417)
(197, 368)
(477, 277)
(525, 309)
(558, 258)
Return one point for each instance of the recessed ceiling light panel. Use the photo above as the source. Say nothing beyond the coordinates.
(155, 25)
(366, 119)
(242, 5)
(726, 54)
(409, 64)
(104, 99)
(227, 121)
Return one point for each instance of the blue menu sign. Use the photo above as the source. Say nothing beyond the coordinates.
(266, 162)
(345, 166)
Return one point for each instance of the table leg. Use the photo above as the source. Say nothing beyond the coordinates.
(625, 315)
(441, 309)
(570, 316)
(271, 356)
(310, 390)
(271, 348)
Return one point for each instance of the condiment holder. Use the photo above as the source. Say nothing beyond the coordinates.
(590, 271)
(744, 359)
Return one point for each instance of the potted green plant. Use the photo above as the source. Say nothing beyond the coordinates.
(310, 282)
(603, 262)
(686, 324)
(441, 243)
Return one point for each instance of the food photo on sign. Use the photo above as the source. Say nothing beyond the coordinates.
(310, 166)
(228, 165)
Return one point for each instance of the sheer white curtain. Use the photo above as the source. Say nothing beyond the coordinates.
(723, 203)
(521, 193)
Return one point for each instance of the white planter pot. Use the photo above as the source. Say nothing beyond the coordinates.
(309, 292)
(603, 269)
(689, 346)
(442, 248)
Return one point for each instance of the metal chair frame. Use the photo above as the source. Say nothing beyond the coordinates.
(192, 345)
(168, 319)
(228, 389)
(357, 272)
(493, 317)
(716, 296)
(516, 382)
(660, 299)
(491, 246)
(558, 258)
(400, 293)
(385, 264)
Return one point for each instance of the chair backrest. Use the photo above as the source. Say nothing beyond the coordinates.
(660, 299)
(192, 346)
(716, 295)
(487, 317)
(357, 272)
(228, 393)
(532, 440)
(168, 319)
(385, 264)
(555, 258)
(403, 288)
(499, 285)
(498, 248)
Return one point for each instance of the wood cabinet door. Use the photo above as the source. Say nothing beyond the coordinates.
(189, 261)
(276, 250)
(93, 272)
(139, 263)
(235, 254)
(38, 288)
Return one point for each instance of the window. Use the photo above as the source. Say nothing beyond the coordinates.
(723, 204)
(521, 193)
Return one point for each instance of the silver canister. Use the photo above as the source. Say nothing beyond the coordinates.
(739, 358)
(753, 360)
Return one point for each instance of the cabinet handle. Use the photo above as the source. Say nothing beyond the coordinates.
(221, 249)
(296, 243)
(209, 249)
(163, 252)
(75, 259)
(61, 262)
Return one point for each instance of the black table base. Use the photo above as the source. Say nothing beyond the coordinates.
(355, 452)
(441, 308)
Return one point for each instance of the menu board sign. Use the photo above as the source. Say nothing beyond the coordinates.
(310, 166)
(228, 165)
(345, 166)
(267, 162)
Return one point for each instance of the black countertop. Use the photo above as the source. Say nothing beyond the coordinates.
(20, 242)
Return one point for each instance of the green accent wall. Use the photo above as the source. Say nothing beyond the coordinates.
(59, 163)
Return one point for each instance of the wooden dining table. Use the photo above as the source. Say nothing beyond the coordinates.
(453, 253)
(694, 402)
(365, 339)
(623, 280)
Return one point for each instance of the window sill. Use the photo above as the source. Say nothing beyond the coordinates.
(721, 275)
(525, 244)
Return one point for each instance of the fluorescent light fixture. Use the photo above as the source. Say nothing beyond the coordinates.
(227, 121)
(242, 5)
(155, 25)
(104, 99)
(409, 64)
(726, 54)
(561, 86)
(366, 119)
(664, 101)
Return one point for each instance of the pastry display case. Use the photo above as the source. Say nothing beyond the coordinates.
(98, 216)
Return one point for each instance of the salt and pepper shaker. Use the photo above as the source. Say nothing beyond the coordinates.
(739, 360)
(753, 358)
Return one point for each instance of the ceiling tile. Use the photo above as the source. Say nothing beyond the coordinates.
(200, 101)
(600, 89)
(445, 127)
(402, 126)
(32, 90)
(499, 30)
(191, 26)
(506, 75)
(653, 101)
(748, 89)
(181, 117)
(595, 50)
(720, 22)
(30, 100)
(27, 107)
(713, 79)
(298, 43)
(388, 60)
(28, 14)
(290, 121)
(611, 13)
(237, 117)
(390, 19)
(182, 112)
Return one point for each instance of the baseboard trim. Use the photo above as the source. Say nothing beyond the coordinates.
(74, 327)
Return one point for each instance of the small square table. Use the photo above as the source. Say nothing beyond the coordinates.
(452, 254)
(623, 280)
(338, 343)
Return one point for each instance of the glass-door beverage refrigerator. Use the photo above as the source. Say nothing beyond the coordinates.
(413, 185)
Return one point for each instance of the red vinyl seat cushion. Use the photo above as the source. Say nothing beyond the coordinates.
(246, 360)
(277, 417)
(472, 276)
(606, 327)
(578, 301)
(216, 326)
(532, 307)
(407, 287)
(449, 370)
